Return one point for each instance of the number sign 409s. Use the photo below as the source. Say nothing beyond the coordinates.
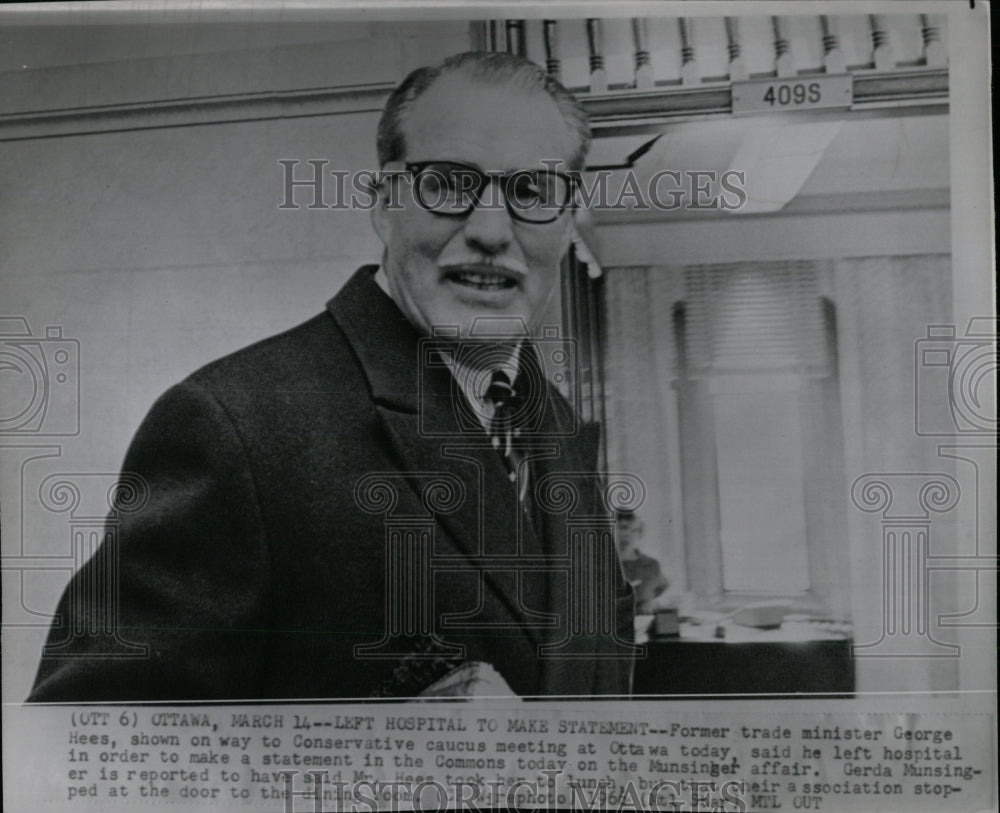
(801, 93)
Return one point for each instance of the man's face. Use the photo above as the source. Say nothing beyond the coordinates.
(447, 271)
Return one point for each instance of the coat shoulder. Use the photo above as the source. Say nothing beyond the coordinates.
(312, 351)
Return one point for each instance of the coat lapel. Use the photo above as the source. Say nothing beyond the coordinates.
(416, 400)
(575, 464)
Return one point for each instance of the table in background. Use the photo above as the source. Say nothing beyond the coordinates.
(803, 657)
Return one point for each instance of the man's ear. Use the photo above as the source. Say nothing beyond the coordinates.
(571, 234)
(380, 214)
(582, 236)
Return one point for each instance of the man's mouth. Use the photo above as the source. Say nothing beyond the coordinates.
(482, 279)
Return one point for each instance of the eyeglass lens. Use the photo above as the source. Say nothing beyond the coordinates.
(454, 189)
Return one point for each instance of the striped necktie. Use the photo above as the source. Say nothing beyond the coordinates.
(508, 407)
(515, 411)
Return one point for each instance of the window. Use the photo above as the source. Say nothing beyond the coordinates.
(722, 394)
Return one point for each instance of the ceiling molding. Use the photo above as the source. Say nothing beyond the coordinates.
(223, 109)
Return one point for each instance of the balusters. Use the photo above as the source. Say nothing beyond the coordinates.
(516, 41)
(929, 50)
(595, 44)
(550, 37)
(934, 50)
(784, 64)
(643, 61)
(833, 57)
(882, 57)
(689, 65)
(738, 71)
(493, 36)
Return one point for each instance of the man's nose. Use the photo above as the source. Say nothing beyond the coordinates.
(488, 227)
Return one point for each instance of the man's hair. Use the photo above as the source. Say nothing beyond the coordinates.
(488, 68)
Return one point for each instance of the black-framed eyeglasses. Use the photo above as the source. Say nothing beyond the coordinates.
(453, 189)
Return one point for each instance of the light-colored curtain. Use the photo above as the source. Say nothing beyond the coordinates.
(641, 410)
(886, 306)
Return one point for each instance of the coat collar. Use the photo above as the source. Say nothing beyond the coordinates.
(386, 344)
